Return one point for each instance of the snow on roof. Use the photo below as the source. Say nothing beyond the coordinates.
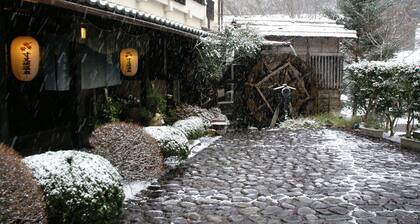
(283, 25)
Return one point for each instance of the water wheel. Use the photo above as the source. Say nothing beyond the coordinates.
(272, 71)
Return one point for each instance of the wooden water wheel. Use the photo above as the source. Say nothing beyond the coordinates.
(272, 71)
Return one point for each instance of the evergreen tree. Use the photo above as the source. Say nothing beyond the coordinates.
(376, 30)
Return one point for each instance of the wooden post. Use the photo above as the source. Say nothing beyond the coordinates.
(76, 88)
(4, 118)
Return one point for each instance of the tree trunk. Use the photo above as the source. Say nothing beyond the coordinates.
(410, 124)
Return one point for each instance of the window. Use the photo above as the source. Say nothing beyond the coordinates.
(180, 1)
(201, 1)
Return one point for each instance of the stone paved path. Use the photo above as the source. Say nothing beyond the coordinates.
(307, 176)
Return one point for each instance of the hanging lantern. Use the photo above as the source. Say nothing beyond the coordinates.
(25, 58)
(83, 33)
(129, 62)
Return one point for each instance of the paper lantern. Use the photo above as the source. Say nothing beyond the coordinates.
(129, 62)
(25, 58)
(83, 33)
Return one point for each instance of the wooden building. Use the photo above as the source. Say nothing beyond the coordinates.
(80, 47)
(314, 39)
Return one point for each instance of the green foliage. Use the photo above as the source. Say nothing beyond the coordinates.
(335, 121)
(386, 89)
(171, 141)
(79, 187)
(215, 52)
(376, 31)
(109, 110)
(154, 102)
(192, 127)
(374, 122)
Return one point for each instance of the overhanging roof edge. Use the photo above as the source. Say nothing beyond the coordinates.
(128, 15)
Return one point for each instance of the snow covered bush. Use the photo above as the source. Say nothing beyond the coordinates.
(388, 89)
(129, 148)
(172, 141)
(79, 187)
(216, 49)
(300, 123)
(192, 127)
(212, 54)
(207, 115)
(21, 199)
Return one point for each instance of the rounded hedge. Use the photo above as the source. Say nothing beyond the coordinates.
(192, 127)
(79, 187)
(21, 198)
(130, 149)
(172, 141)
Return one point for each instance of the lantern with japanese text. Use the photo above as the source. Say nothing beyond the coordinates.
(25, 58)
(129, 62)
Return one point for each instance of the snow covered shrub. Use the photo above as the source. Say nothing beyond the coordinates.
(79, 187)
(21, 199)
(386, 88)
(192, 127)
(172, 141)
(185, 111)
(211, 56)
(216, 49)
(130, 149)
(300, 123)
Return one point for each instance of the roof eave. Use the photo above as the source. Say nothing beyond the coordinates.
(133, 17)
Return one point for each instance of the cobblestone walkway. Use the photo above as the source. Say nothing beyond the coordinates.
(307, 176)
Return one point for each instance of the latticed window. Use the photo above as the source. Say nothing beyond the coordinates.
(329, 70)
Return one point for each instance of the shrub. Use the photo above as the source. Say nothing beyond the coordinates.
(109, 110)
(79, 187)
(335, 121)
(21, 199)
(129, 148)
(300, 123)
(172, 142)
(154, 102)
(386, 88)
(192, 127)
(207, 115)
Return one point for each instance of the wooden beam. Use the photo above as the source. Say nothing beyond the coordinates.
(265, 99)
(275, 72)
(4, 113)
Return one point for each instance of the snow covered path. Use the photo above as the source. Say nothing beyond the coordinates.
(305, 176)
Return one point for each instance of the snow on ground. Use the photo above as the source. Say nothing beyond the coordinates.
(201, 143)
(395, 138)
(131, 189)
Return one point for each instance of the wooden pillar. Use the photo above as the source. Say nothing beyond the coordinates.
(4, 118)
(76, 88)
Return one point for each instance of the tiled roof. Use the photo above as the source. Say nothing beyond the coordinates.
(281, 25)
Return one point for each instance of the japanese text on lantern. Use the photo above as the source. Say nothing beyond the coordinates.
(129, 67)
(26, 47)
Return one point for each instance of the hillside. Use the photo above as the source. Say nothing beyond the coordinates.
(293, 8)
